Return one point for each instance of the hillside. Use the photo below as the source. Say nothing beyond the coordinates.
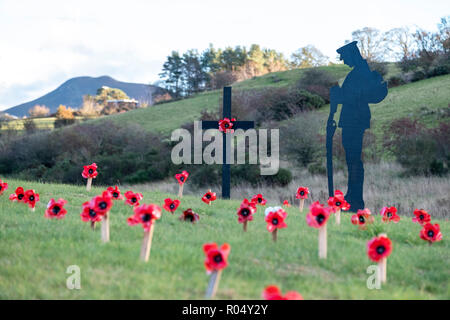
(420, 99)
(71, 93)
(175, 270)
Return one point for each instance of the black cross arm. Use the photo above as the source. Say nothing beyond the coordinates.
(244, 125)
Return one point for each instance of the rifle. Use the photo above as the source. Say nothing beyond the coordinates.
(331, 129)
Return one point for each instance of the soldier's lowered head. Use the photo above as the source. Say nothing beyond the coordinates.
(350, 54)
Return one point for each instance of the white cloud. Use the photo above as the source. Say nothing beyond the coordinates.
(44, 43)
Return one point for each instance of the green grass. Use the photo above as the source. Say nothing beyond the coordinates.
(35, 253)
(47, 123)
(172, 115)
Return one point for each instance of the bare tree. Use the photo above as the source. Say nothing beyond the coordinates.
(401, 43)
(371, 42)
(38, 111)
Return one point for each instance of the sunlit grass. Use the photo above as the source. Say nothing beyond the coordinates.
(35, 253)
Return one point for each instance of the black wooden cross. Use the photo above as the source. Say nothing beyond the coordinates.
(245, 125)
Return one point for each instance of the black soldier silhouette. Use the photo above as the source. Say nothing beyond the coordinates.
(361, 87)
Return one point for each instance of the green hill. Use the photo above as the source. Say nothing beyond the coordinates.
(420, 99)
(35, 253)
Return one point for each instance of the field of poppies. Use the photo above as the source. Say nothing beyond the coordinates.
(35, 252)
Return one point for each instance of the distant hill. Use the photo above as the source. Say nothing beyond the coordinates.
(71, 93)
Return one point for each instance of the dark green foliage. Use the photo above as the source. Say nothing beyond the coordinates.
(317, 81)
(123, 153)
(396, 81)
(418, 149)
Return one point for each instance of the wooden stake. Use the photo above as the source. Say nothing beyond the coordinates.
(213, 284)
(147, 244)
(302, 202)
(105, 228)
(382, 268)
(274, 235)
(382, 265)
(245, 226)
(338, 216)
(93, 225)
(89, 184)
(33, 209)
(180, 191)
(323, 242)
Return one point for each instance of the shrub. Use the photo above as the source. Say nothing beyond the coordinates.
(273, 104)
(418, 149)
(318, 82)
(396, 81)
(38, 111)
(29, 125)
(418, 75)
(126, 154)
(380, 67)
(300, 140)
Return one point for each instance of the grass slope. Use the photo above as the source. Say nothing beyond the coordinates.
(35, 253)
(169, 116)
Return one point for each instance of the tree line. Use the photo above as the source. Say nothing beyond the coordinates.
(184, 74)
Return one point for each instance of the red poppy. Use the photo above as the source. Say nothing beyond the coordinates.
(18, 195)
(275, 218)
(318, 215)
(182, 177)
(226, 125)
(286, 203)
(258, 199)
(216, 258)
(103, 203)
(55, 209)
(171, 205)
(133, 198)
(189, 215)
(115, 193)
(338, 201)
(31, 198)
(431, 233)
(208, 197)
(3, 187)
(422, 216)
(89, 213)
(362, 218)
(302, 193)
(145, 215)
(90, 171)
(390, 214)
(379, 248)
(274, 293)
(246, 211)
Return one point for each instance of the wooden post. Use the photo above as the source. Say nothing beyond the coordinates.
(147, 243)
(274, 235)
(33, 209)
(338, 216)
(213, 284)
(323, 242)
(105, 228)
(302, 202)
(245, 226)
(180, 191)
(89, 184)
(382, 265)
(93, 225)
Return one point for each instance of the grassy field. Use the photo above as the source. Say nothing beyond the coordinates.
(35, 253)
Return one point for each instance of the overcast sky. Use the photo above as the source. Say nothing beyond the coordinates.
(44, 43)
